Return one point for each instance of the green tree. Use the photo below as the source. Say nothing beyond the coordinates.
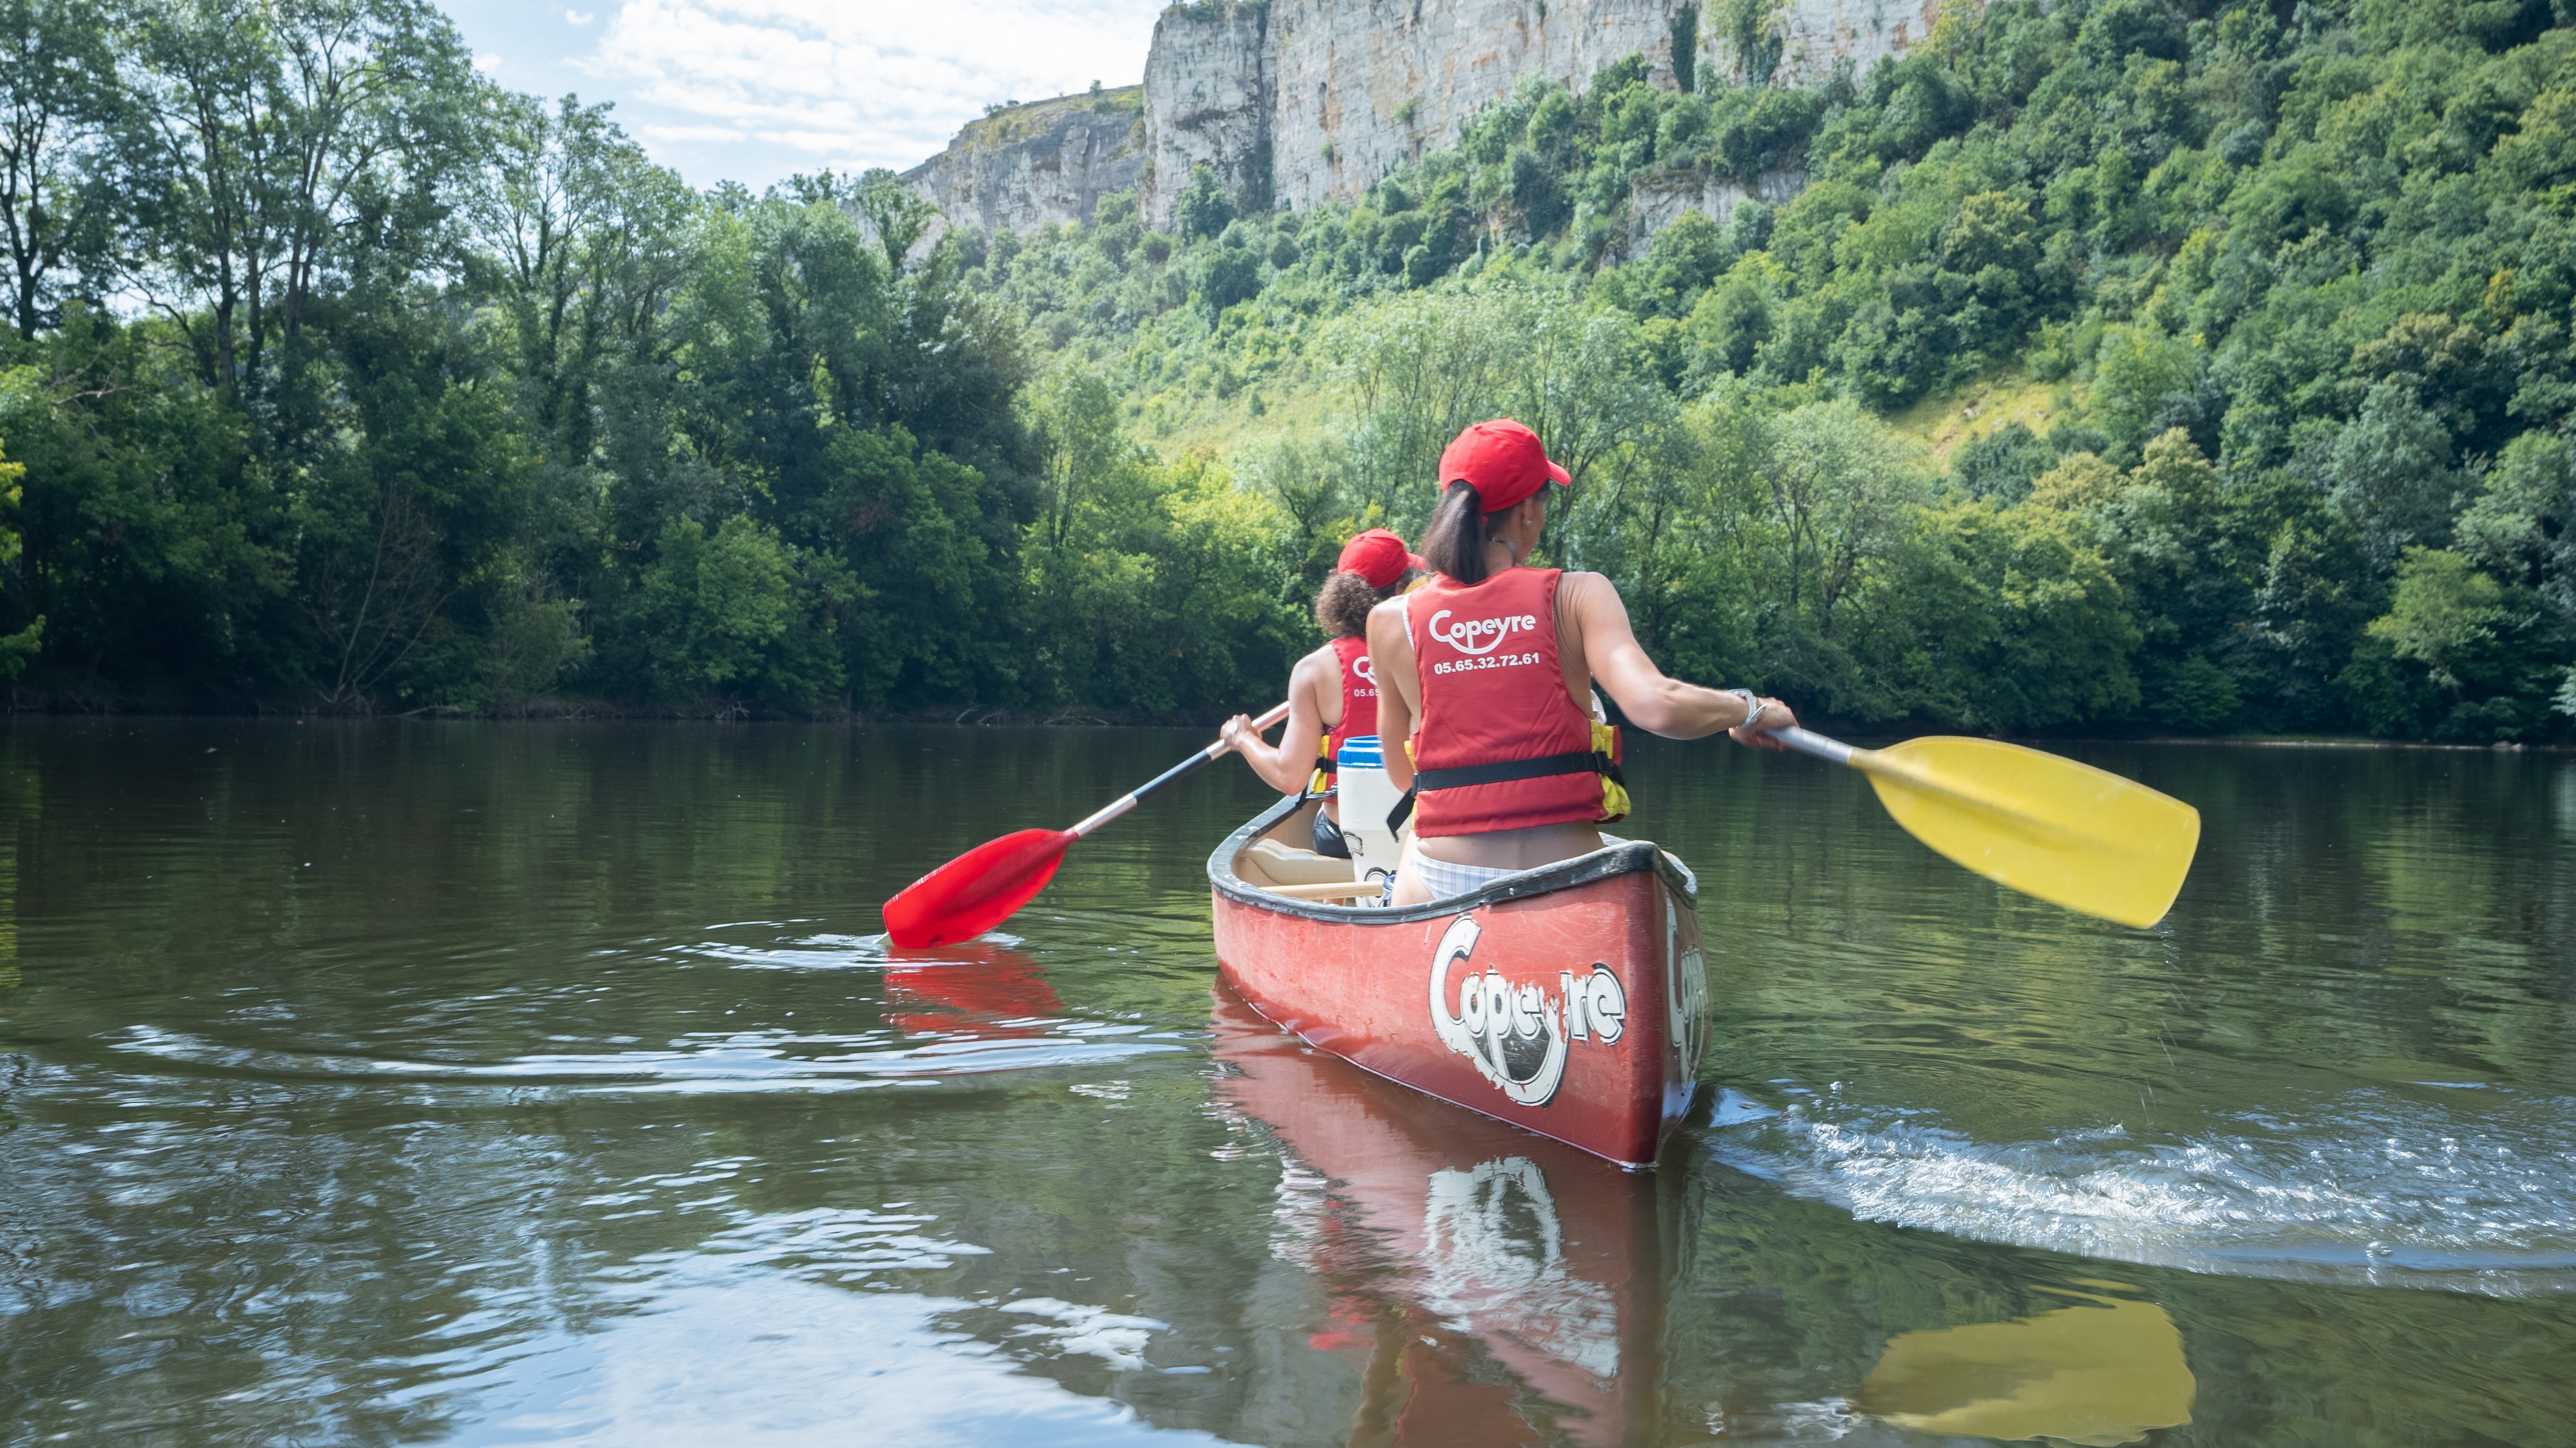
(582, 241)
(276, 147)
(2444, 610)
(2004, 619)
(714, 605)
(2159, 529)
(1204, 209)
(59, 99)
(15, 648)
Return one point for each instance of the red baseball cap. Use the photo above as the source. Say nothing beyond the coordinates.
(1378, 557)
(1503, 459)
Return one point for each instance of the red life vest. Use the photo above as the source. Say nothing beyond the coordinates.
(1359, 711)
(1501, 745)
(1359, 693)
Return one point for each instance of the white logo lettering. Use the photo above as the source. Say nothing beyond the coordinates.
(1479, 635)
(1365, 668)
(1493, 1248)
(1685, 993)
(1517, 1034)
(1595, 1005)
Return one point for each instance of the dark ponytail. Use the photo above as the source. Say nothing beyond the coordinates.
(1453, 542)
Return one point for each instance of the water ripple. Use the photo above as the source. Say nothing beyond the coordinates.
(732, 1061)
(2369, 1187)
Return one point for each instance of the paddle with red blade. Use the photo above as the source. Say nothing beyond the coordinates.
(984, 886)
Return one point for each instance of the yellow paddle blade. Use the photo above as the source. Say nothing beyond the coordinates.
(2066, 832)
(2099, 1376)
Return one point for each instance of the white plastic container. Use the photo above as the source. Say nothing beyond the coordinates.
(1367, 796)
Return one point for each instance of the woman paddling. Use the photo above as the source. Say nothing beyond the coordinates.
(1330, 694)
(1488, 669)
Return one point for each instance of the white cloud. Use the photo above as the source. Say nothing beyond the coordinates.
(580, 17)
(881, 82)
(488, 63)
(690, 135)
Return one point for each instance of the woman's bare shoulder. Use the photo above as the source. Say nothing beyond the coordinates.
(1589, 591)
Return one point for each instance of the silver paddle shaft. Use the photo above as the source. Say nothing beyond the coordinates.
(1195, 762)
(1807, 741)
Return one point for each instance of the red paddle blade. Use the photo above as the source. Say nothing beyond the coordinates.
(976, 891)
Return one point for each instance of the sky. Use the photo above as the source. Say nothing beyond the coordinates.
(758, 90)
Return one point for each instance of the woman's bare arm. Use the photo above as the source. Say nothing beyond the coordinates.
(1287, 766)
(1652, 701)
(1399, 689)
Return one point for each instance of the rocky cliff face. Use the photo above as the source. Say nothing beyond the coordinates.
(1049, 161)
(1660, 201)
(1808, 40)
(1207, 103)
(1363, 84)
(1301, 101)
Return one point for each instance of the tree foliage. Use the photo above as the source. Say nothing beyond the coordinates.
(2293, 286)
(343, 378)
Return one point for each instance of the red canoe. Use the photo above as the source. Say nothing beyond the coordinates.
(1570, 999)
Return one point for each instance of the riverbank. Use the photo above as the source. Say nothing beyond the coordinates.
(555, 709)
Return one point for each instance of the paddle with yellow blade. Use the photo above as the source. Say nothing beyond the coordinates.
(2066, 832)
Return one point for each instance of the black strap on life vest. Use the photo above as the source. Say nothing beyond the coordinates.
(1505, 771)
(1572, 761)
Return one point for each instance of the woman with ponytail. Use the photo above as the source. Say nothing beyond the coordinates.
(1331, 696)
(1488, 671)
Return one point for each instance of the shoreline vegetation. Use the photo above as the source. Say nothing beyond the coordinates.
(579, 711)
(2113, 368)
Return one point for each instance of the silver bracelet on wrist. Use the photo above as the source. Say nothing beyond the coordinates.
(1753, 707)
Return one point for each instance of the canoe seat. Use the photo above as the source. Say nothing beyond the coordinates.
(1287, 865)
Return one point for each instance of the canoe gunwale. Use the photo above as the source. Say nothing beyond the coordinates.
(1611, 860)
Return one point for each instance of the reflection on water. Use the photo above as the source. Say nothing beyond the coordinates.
(976, 988)
(2098, 1375)
(410, 1083)
(1503, 1286)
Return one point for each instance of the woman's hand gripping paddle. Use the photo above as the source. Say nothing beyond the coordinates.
(986, 885)
(2066, 832)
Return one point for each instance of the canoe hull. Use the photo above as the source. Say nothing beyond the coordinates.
(1570, 1001)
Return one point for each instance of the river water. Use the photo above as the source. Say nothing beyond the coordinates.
(522, 1083)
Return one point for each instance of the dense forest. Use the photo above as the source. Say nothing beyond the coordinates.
(2136, 365)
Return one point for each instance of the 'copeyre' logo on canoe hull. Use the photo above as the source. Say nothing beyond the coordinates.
(1517, 1033)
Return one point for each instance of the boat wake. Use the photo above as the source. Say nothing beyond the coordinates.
(2368, 1187)
(809, 952)
(732, 1061)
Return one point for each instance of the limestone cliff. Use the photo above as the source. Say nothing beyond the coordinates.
(1363, 84)
(1207, 102)
(1659, 201)
(1294, 102)
(1023, 167)
(1803, 42)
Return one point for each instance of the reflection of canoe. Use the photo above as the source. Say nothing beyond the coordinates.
(1569, 999)
(1451, 1247)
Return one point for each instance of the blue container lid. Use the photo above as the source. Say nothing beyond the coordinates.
(1361, 751)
